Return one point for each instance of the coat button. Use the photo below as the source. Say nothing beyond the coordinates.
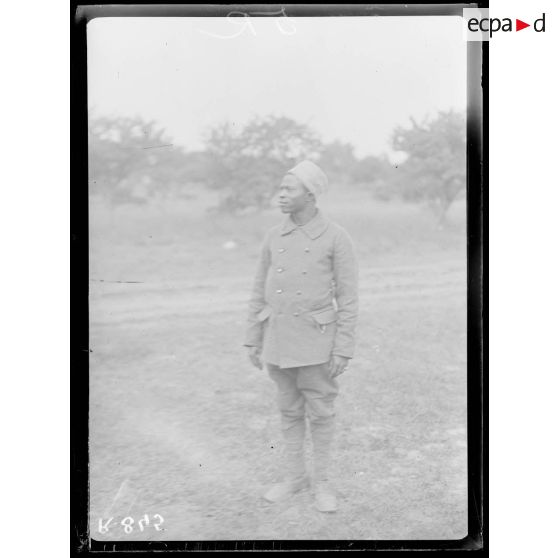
(279, 270)
(279, 291)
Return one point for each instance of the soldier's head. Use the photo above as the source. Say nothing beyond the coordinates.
(301, 186)
(293, 195)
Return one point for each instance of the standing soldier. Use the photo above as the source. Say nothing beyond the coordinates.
(301, 324)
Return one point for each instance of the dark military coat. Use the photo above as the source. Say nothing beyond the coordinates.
(304, 302)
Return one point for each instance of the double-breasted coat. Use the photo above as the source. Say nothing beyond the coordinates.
(304, 302)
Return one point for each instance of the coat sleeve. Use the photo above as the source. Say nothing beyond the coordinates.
(345, 272)
(254, 331)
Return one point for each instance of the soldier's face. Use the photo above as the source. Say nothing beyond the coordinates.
(293, 196)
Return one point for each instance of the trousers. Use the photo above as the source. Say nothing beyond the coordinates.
(306, 391)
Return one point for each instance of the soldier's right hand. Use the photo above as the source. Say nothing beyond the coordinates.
(254, 354)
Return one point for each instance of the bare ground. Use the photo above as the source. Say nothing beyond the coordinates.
(182, 426)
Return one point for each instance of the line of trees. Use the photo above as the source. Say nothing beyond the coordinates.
(133, 161)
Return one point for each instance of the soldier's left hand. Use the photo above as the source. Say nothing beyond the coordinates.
(338, 365)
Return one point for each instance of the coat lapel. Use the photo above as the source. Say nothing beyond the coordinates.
(313, 229)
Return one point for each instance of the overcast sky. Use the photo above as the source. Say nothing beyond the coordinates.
(350, 78)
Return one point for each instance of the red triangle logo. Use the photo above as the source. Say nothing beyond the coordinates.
(519, 25)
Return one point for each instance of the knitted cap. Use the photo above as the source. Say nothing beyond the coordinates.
(312, 176)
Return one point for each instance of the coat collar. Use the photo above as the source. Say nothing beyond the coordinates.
(313, 229)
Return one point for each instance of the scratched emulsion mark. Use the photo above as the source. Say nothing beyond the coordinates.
(158, 146)
(124, 499)
(244, 21)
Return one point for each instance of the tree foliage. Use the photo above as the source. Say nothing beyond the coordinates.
(132, 161)
(435, 168)
(338, 161)
(247, 164)
(377, 173)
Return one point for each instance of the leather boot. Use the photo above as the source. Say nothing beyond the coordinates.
(295, 470)
(323, 431)
(283, 490)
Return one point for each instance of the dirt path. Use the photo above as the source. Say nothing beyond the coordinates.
(182, 426)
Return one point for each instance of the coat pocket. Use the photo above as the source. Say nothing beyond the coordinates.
(324, 317)
(264, 314)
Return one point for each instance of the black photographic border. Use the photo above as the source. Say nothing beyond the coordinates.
(477, 277)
